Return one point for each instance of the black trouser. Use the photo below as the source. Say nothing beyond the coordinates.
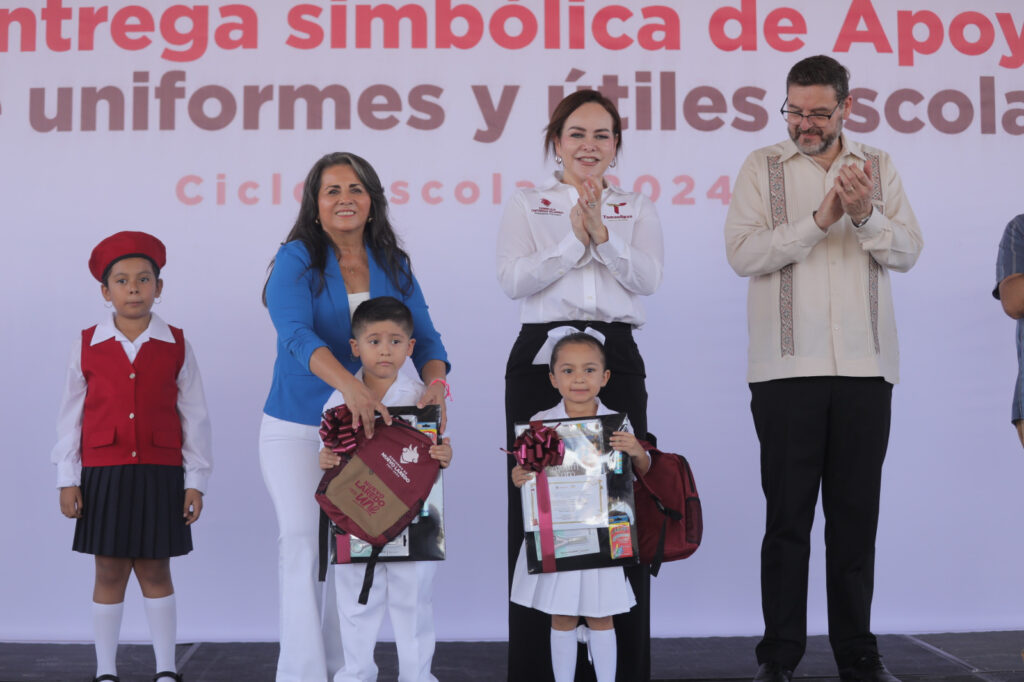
(528, 391)
(832, 433)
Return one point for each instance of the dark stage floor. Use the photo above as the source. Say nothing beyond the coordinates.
(960, 657)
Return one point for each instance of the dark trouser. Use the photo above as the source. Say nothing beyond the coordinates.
(528, 391)
(830, 432)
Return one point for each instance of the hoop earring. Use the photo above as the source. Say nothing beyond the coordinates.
(369, 220)
(558, 160)
(156, 301)
(316, 220)
(108, 304)
(612, 164)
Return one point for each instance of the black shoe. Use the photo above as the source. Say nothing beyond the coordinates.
(107, 678)
(773, 672)
(167, 675)
(867, 669)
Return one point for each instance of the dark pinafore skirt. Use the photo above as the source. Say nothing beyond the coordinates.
(134, 511)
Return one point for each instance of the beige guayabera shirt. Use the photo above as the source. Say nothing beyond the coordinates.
(819, 303)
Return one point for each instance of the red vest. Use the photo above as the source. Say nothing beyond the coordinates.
(130, 414)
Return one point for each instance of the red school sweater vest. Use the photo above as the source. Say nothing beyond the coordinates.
(130, 414)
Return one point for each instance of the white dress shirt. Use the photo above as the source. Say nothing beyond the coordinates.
(197, 439)
(542, 263)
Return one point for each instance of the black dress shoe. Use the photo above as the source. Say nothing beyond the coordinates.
(167, 675)
(107, 678)
(773, 672)
(867, 669)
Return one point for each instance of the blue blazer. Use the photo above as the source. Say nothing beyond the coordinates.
(306, 320)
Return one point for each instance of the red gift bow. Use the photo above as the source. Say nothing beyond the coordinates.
(538, 447)
(336, 430)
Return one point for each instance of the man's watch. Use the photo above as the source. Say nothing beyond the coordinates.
(862, 223)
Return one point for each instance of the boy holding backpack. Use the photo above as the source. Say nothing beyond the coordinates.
(382, 330)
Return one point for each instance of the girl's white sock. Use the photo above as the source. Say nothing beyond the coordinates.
(106, 625)
(603, 654)
(162, 614)
(563, 654)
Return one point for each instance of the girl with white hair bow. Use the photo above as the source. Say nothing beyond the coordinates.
(578, 252)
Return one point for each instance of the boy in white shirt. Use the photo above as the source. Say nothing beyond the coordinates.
(382, 330)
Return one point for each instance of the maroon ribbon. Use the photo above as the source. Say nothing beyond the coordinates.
(537, 447)
(343, 548)
(336, 430)
(546, 530)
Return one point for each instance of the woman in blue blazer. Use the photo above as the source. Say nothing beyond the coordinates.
(341, 251)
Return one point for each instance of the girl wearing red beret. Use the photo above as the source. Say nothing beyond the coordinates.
(133, 450)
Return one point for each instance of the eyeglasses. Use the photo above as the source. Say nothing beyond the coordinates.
(795, 117)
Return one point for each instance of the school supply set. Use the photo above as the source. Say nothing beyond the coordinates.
(583, 509)
(578, 511)
(384, 502)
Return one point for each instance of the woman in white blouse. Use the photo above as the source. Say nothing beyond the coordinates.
(578, 252)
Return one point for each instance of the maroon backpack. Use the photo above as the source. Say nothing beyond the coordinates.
(668, 511)
(380, 485)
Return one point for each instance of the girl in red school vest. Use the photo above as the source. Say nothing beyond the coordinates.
(133, 451)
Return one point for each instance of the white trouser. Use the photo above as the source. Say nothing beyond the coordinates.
(405, 590)
(289, 460)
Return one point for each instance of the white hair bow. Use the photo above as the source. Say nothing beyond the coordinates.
(543, 356)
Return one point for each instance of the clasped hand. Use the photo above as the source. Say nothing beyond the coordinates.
(585, 216)
(850, 194)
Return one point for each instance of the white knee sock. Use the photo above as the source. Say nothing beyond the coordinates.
(106, 625)
(603, 654)
(563, 654)
(162, 614)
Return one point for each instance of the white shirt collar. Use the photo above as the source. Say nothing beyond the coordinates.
(157, 329)
(401, 384)
(848, 147)
(555, 182)
(558, 411)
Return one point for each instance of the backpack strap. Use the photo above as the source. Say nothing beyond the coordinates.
(324, 522)
(364, 594)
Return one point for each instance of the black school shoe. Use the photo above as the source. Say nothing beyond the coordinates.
(773, 672)
(867, 669)
(107, 678)
(167, 675)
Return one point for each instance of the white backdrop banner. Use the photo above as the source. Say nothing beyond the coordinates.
(198, 123)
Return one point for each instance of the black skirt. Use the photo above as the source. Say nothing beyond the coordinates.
(528, 391)
(133, 511)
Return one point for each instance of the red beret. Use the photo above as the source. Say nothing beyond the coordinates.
(123, 245)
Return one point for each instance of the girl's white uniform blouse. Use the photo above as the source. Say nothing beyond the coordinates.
(541, 262)
(197, 439)
(594, 592)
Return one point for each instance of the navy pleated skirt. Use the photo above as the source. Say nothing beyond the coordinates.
(134, 511)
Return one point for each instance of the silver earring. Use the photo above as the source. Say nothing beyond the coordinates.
(108, 304)
(612, 164)
(558, 160)
(156, 301)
